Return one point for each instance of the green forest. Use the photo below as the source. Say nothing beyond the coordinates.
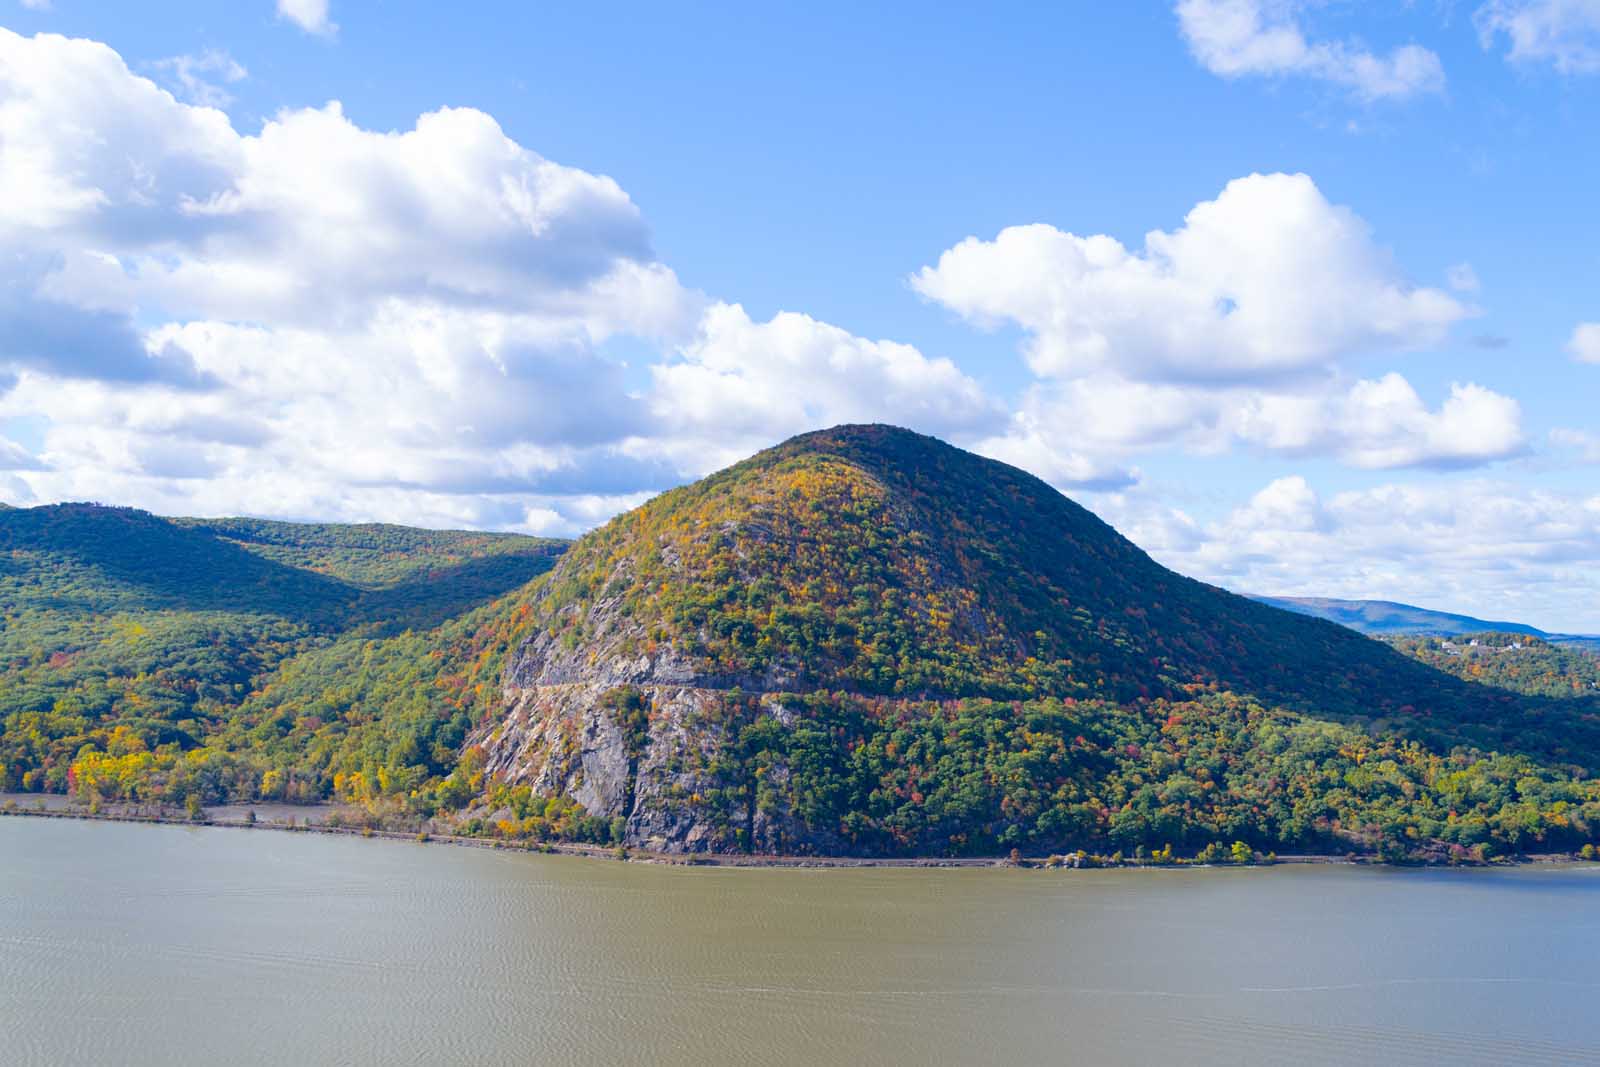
(970, 664)
(146, 658)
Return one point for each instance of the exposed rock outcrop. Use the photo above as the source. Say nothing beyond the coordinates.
(678, 786)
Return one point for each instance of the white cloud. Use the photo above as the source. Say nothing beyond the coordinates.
(1267, 279)
(1563, 33)
(741, 384)
(1481, 547)
(411, 325)
(1237, 38)
(195, 77)
(320, 320)
(1103, 421)
(1232, 330)
(1384, 423)
(350, 319)
(1584, 344)
(1034, 442)
(309, 15)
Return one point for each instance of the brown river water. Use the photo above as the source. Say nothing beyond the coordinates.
(142, 944)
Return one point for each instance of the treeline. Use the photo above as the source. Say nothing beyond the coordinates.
(981, 777)
(978, 777)
(1517, 662)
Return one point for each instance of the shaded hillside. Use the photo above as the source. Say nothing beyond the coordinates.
(369, 554)
(90, 559)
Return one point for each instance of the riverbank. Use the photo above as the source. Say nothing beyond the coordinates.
(313, 819)
(332, 818)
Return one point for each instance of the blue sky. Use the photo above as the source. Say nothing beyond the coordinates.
(1399, 408)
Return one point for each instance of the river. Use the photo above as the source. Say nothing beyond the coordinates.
(141, 944)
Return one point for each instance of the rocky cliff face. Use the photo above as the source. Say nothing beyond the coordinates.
(645, 736)
(679, 787)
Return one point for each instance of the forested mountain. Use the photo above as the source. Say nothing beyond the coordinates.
(865, 639)
(860, 641)
(128, 633)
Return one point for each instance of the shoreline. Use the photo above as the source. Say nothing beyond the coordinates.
(701, 859)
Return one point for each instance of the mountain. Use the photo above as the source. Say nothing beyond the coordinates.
(1386, 619)
(121, 630)
(1382, 617)
(868, 640)
(861, 641)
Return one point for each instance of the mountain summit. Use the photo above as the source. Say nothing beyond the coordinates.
(879, 561)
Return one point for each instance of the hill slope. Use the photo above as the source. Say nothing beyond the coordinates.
(865, 639)
(120, 630)
(1384, 617)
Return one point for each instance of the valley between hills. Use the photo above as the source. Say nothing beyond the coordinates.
(860, 643)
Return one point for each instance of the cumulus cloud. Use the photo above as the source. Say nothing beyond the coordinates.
(1562, 33)
(309, 15)
(1584, 344)
(739, 383)
(1385, 423)
(1373, 423)
(1264, 38)
(1268, 278)
(422, 325)
(322, 320)
(1481, 547)
(1232, 330)
(1033, 441)
(70, 340)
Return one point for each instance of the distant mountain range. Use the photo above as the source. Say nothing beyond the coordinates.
(1385, 618)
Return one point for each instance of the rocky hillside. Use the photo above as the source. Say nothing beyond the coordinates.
(710, 670)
